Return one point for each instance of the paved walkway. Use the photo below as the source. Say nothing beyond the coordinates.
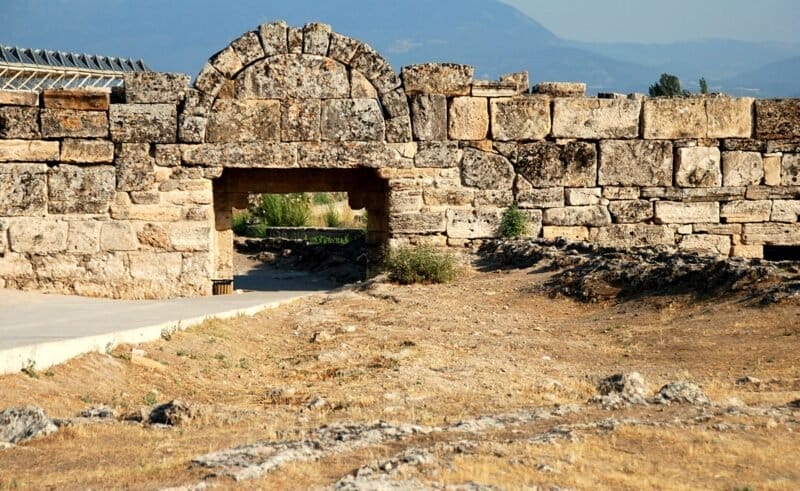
(50, 329)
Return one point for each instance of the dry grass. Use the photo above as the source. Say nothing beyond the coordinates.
(430, 355)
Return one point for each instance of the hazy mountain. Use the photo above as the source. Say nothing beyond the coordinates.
(778, 79)
(180, 35)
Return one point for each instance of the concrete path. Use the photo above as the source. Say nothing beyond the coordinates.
(48, 329)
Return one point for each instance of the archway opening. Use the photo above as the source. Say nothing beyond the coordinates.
(307, 255)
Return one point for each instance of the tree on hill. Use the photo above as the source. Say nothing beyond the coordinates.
(703, 86)
(668, 85)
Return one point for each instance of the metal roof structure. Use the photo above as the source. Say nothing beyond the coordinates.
(38, 69)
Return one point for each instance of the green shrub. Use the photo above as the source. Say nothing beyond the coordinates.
(514, 223)
(283, 210)
(324, 240)
(407, 265)
(323, 199)
(332, 217)
(240, 223)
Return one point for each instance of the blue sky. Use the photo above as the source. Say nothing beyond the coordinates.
(648, 20)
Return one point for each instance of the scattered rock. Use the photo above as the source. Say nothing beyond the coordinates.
(748, 380)
(346, 329)
(281, 394)
(173, 413)
(19, 424)
(681, 393)
(321, 337)
(317, 403)
(97, 412)
(555, 434)
(620, 390)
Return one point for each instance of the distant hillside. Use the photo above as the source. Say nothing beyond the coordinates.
(778, 79)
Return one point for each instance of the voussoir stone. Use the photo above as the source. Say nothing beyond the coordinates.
(81, 189)
(596, 118)
(485, 170)
(547, 164)
(352, 120)
(140, 123)
(294, 76)
(236, 120)
(155, 87)
(274, 38)
(635, 163)
(23, 189)
(447, 79)
(520, 118)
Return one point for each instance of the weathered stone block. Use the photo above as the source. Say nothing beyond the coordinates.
(529, 197)
(698, 167)
(28, 151)
(692, 195)
(70, 123)
(520, 118)
(520, 79)
(675, 118)
(155, 87)
(83, 236)
(746, 211)
(747, 251)
(118, 236)
(744, 145)
(189, 237)
(560, 89)
(485, 170)
(418, 223)
(405, 200)
(790, 169)
(37, 235)
(583, 196)
(791, 145)
(274, 38)
(673, 212)
(369, 62)
(351, 154)
(769, 192)
(192, 129)
(772, 169)
(633, 235)
(717, 228)
(300, 120)
(635, 163)
(235, 120)
(785, 211)
(429, 117)
(248, 48)
(494, 197)
(491, 88)
(718, 245)
(168, 155)
(631, 211)
(448, 196)
(87, 151)
(78, 99)
(142, 123)
(623, 193)
(547, 164)
(447, 79)
(19, 122)
(19, 98)
(23, 189)
(395, 103)
(398, 130)
(729, 117)
(210, 80)
(771, 233)
(227, 62)
(596, 118)
(151, 265)
(253, 154)
(352, 120)
(294, 77)
(342, 48)
(78, 189)
(777, 118)
(570, 216)
(473, 224)
(361, 87)
(742, 168)
(438, 155)
(468, 118)
(576, 234)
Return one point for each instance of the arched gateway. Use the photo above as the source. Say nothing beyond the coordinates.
(129, 194)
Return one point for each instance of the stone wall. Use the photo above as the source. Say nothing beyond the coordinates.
(129, 194)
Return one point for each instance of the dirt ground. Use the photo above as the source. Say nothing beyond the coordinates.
(499, 375)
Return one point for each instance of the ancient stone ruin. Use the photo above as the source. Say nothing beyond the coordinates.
(129, 193)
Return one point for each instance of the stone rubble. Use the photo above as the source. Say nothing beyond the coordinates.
(19, 424)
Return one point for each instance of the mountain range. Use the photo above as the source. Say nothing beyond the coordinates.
(494, 37)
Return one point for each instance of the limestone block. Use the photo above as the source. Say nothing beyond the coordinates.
(342, 48)
(3, 237)
(192, 129)
(78, 99)
(189, 237)
(274, 38)
(135, 167)
(37, 235)
(560, 89)
(673, 212)
(248, 48)
(361, 87)
(473, 224)
(468, 118)
(596, 118)
(150, 213)
(531, 197)
(23, 189)
(744, 145)
(631, 211)
(790, 145)
(295, 40)
(350, 154)
(13, 265)
(693, 195)
(418, 223)
(491, 88)
(576, 234)
(746, 211)
(155, 87)
(790, 169)
(79, 189)
(520, 79)
(698, 167)
(520, 118)
(140, 123)
(772, 169)
(151, 265)
(570, 216)
(438, 155)
(447, 196)
(635, 163)
(777, 118)
(395, 103)
(429, 117)
(623, 193)
(405, 201)
(83, 236)
(771, 233)
(717, 228)
(300, 120)
(352, 120)
(719, 245)
(227, 62)
(19, 98)
(87, 151)
(118, 236)
(247, 155)
(398, 130)
(785, 211)
(729, 117)
(747, 251)
(485, 170)
(447, 79)
(294, 77)
(633, 235)
(71, 123)
(235, 120)
(19, 122)
(675, 118)
(494, 197)
(770, 192)
(547, 164)
(146, 197)
(582, 196)
(168, 155)
(209, 81)
(742, 168)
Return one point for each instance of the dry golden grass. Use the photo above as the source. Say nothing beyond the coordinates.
(438, 354)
